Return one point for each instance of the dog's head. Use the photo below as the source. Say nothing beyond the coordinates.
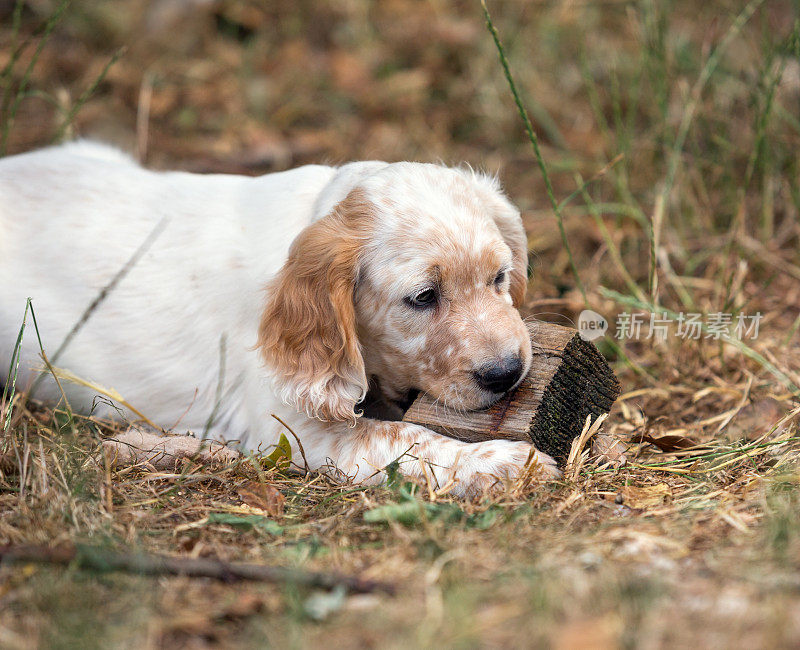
(413, 278)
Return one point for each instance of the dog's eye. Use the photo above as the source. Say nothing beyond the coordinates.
(423, 299)
(499, 278)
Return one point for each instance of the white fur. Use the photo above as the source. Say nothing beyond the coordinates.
(70, 218)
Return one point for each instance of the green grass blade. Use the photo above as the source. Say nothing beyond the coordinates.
(50, 25)
(86, 95)
(13, 370)
(534, 142)
(662, 200)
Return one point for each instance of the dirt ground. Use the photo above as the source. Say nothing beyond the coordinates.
(669, 132)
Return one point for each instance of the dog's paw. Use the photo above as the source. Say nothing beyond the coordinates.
(500, 461)
(517, 458)
(544, 465)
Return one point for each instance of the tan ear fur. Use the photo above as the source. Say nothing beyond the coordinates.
(307, 333)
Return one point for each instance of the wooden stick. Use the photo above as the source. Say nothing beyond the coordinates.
(568, 380)
(97, 559)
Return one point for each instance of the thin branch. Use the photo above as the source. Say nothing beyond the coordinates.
(97, 559)
(297, 439)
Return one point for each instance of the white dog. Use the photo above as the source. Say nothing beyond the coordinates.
(308, 285)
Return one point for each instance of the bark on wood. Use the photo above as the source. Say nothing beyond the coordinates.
(98, 559)
(568, 380)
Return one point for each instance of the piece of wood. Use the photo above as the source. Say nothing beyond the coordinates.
(568, 380)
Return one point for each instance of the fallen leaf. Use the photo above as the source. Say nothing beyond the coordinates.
(281, 457)
(645, 497)
(263, 497)
(607, 448)
(756, 419)
(668, 441)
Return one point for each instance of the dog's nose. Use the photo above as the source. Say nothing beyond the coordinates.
(499, 377)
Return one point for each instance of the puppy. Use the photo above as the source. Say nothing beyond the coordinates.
(286, 294)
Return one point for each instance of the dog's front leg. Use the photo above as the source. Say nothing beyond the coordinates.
(361, 452)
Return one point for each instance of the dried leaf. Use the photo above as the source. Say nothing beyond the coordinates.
(263, 497)
(756, 419)
(607, 448)
(668, 441)
(645, 497)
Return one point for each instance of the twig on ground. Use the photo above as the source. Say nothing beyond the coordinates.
(87, 557)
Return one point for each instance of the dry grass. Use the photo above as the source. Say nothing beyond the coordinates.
(692, 206)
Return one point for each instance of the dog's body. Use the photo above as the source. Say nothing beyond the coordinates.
(299, 282)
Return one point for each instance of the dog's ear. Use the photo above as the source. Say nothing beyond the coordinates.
(509, 223)
(308, 327)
